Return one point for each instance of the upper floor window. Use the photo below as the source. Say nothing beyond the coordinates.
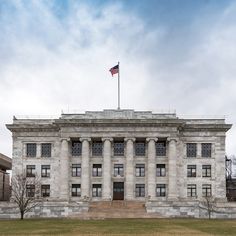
(45, 190)
(30, 171)
(191, 150)
(118, 170)
(161, 148)
(161, 170)
(119, 148)
(31, 149)
(140, 190)
(76, 190)
(76, 170)
(45, 171)
(97, 170)
(140, 170)
(30, 190)
(46, 149)
(76, 148)
(97, 190)
(191, 171)
(206, 171)
(206, 190)
(206, 149)
(161, 190)
(97, 148)
(191, 190)
(140, 148)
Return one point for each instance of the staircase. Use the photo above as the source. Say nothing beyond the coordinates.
(117, 209)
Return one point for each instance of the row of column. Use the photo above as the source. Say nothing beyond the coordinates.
(129, 175)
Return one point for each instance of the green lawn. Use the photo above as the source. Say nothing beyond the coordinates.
(118, 227)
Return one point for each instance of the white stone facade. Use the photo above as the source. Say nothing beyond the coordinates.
(140, 174)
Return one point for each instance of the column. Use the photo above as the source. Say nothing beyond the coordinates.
(151, 183)
(64, 169)
(172, 169)
(85, 169)
(129, 174)
(106, 186)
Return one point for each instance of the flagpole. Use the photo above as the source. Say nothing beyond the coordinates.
(118, 85)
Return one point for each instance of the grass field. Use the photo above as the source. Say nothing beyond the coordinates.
(118, 227)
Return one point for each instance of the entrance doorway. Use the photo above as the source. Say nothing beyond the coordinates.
(118, 191)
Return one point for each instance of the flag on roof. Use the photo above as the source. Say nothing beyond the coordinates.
(114, 70)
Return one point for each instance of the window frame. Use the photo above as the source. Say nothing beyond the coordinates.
(160, 170)
(76, 170)
(45, 190)
(191, 171)
(30, 171)
(161, 150)
(77, 188)
(31, 149)
(140, 170)
(206, 171)
(140, 190)
(140, 148)
(118, 170)
(96, 150)
(191, 190)
(206, 190)
(97, 170)
(47, 172)
(160, 190)
(191, 150)
(46, 150)
(97, 190)
(206, 152)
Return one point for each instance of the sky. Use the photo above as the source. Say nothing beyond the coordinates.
(174, 55)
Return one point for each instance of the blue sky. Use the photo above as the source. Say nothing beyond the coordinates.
(174, 54)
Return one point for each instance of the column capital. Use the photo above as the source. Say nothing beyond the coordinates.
(151, 138)
(84, 139)
(65, 139)
(127, 139)
(169, 139)
(107, 138)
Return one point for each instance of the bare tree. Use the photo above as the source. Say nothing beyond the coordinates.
(25, 192)
(209, 204)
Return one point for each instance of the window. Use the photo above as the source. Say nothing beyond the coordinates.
(191, 190)
(118, 170)
(46, 149)
(161, 170)
(30, 190)
(76, 190)
(206, 190)
(119, 148)
(30, 171)
(97, 148)
(45, 190)
(161, 190)
(140, 148)
(161, 148)
(76, 170)
(31, 149)
(191, 150)
(45, 171)
(97, 190)
(140, 170)
(206, 171)
(76, 148)
(206, 149)
(97, 170)
(191, 171)
(140, 190)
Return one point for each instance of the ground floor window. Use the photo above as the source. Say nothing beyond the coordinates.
(45, 190)
(206, 190)
(97, 190)
(76, 190)
(140, 190)
(30, 190)
(161, 190)
(191, 190)
(206, 171)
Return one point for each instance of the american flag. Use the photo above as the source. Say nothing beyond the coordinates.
(114, 70)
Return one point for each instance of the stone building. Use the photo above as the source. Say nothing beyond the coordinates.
(5, 164)
(158, 159)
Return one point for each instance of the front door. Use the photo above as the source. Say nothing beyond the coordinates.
(118, 191)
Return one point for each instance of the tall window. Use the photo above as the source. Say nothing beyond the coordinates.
(161, 148)
(30, 190)
(46, 149)
(76, 170)
(161, 170)
(191, 190)
(119, 148)
(118, 170)
(140, 170)
(206, 171)
(30, 171)
(97, 148)
(206, 190)
(191, 171)
(97, 190)
(191, 150)
(140, 190)
(206, 149)
(97, 170)
(45, 190)
(45, 171)
(76, 190)
(31, 149)
(76, 148)
(140, 148)
(161, 190)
